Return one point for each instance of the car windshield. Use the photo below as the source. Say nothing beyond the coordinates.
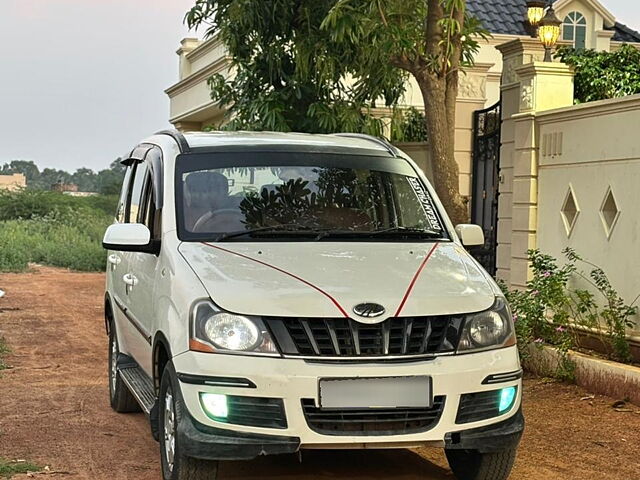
(316, 197)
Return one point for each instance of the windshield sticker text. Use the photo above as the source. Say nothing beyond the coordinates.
(427, 203)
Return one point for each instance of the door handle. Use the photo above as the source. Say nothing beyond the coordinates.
(130, 280)
(114, 260)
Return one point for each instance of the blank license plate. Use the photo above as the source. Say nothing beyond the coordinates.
(388, 392)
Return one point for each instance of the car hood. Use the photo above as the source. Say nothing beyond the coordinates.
(321, 279)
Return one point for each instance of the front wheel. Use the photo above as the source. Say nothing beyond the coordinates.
(473, 465)
(175, 465)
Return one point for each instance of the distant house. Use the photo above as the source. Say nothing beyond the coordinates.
(64, 187)
(13, 182)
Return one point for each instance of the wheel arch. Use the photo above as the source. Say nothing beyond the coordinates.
(161, 355)
(108, 313)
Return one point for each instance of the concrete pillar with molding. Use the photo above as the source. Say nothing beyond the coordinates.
(472, 96)
(187, 45)
(528, 86)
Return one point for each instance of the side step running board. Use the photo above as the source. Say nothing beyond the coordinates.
(140, 386)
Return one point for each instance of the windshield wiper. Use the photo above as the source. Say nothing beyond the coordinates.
(411, 231)
(403, 231)
(289, 228)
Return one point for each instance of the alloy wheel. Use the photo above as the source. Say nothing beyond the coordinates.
(169, 429)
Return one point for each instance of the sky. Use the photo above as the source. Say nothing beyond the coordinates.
(82, 81)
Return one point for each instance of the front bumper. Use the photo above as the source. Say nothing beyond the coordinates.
(211, 443)
(294, 380)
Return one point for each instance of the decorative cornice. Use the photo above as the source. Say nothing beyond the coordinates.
(591, 109)
(185, 116)
(605, 33)
(520, 45)
(479, 67)
(199, 76)
(204, 48)
(548, 68)
(187, 45)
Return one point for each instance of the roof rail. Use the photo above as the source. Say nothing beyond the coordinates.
(380, 141)
(183, 145)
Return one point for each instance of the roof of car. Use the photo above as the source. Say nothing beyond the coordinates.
(204, 140)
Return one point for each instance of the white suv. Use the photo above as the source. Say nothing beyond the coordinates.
(268, 293)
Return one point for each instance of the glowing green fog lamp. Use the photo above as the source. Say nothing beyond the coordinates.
(507, 398)
(215, 405)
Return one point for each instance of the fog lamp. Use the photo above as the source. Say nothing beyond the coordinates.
(507, 397)
(214, 405)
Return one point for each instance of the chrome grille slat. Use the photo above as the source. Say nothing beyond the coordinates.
(310, 336)
(332, 334)
(336, 338)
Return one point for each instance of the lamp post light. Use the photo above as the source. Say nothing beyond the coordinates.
(535, 13)
(549, 32)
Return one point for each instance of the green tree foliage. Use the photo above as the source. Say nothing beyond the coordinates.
(26, 167)
(602, 75)
(106, 182)
(431, 40)
(293, 58)
(290, 72)
(408, 126)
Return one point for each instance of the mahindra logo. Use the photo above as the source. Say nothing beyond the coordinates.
(368, 310)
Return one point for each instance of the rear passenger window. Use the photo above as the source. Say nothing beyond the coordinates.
(147, 207)
(124, 194)
(137, 192)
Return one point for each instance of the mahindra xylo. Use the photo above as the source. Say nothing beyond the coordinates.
(268, 293)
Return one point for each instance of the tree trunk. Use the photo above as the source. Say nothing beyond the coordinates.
(440, 122)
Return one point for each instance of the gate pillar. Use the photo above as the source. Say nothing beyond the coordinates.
(528, 86)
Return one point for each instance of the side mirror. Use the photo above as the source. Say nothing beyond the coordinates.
(129, 237)
(470, 235)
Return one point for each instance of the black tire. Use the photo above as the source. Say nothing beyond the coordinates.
(183, 467)
(473, 465)
(122, 401)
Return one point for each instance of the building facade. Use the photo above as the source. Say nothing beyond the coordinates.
(586, 24)
(13, 182)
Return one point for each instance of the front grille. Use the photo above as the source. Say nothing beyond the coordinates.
(254, 412)
(475, 407)
(345, 337)
(372, 421)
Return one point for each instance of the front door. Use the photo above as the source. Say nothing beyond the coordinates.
(138, 289)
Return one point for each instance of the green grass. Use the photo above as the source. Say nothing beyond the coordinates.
(53, 229)
(4, 349)
(11, 468)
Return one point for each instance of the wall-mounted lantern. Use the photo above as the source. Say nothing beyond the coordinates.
(549, 32)
(535, 13)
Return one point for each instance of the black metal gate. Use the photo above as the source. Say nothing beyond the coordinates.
(486, 174)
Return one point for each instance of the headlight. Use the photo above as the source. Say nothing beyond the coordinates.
(232, 332)
(213, 330)
(487, 330)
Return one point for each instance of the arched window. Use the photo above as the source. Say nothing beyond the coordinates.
(574, 29)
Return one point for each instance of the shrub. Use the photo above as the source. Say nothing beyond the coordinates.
(602, 75)
(408, 126)
(53, 229)
(549, 308)
(25, 204)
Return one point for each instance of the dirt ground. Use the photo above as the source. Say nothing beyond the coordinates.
(54, 408)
